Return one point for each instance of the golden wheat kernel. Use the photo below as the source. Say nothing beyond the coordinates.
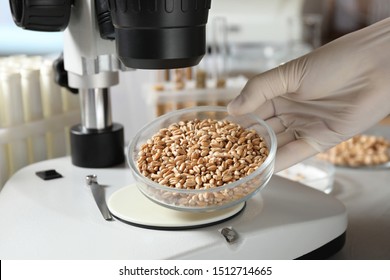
(196, 169)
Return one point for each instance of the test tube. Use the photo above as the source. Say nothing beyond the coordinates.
(52, 105)
(313, 29)
(201, 85)
(13, 115)
(31, 93)
(70, 101)
(51, 92)
(179, 79)
(4, 169)
(219, 50)
(162, 77)
(2, 109)
(33, 111)
(178, 84)
(200, 78)
(189, 73)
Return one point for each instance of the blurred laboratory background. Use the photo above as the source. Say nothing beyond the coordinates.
(243, 38)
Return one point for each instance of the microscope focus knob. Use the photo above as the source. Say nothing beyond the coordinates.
(41, 15)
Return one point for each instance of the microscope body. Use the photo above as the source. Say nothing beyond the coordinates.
(92, 67)
(102, 37)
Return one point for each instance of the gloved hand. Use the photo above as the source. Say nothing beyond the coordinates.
(325, 97)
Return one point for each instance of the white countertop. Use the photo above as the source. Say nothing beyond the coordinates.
(58, 219)
(366, 195)
(47, 219)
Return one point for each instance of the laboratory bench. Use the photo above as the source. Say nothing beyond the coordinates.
(37, 221)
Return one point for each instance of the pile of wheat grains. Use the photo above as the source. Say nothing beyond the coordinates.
(201, 154)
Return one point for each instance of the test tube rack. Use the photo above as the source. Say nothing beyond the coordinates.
(164, 97)
(35, 113)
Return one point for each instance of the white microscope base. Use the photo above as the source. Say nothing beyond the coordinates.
(58, 219)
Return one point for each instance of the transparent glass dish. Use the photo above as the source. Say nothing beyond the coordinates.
(198, 200)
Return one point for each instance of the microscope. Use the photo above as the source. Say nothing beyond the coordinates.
(103, 37)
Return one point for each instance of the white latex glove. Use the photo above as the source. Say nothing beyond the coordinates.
(325, 97)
